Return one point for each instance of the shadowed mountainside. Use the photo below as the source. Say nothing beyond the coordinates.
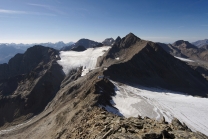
(133, 60)
(28, 82)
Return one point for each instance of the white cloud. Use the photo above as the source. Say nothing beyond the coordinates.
(3, 11)
(48, 7)
(12, 12)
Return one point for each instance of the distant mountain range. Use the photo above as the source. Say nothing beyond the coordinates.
(57, 45)
(8, 50)
(185, 49)
(200, 43)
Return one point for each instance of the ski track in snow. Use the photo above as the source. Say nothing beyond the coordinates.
(87, 59)
(156, 103)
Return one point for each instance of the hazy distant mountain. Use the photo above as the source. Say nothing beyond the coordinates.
(200, 43)
(204, 47)
(181, 44)
(24, 47)
(185, 49)
(108, 42)
(82, 42)
(7, 52)
(57, 45)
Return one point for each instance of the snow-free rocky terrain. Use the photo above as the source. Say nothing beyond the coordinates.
(133, 90)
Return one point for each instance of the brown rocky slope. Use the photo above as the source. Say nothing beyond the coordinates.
(75, 113)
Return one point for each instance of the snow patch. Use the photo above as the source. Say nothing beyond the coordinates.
(87, 59)
(156, 103)
(184, 59)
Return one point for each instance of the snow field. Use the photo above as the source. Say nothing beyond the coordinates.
(184, 59)
(155, 103)
(87, 59)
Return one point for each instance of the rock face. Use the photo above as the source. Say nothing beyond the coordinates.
(28, 82)
(136, 61)
(78, 48)
(82, 42)
(108, 42)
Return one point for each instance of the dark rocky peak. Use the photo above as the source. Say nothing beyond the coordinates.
(183, 44)
(86, 43)
(179, 42)
(78, 48)
(24, 63)
(108, 42)
(128, 40)
(83, 42)
(118, 39)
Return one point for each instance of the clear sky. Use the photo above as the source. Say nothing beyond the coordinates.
(35, 21)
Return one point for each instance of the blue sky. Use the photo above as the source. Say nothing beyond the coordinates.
(35, 21)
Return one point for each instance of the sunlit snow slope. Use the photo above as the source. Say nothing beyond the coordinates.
(87, 59)
(155, 103)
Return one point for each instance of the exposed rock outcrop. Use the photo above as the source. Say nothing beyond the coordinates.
(103, 125)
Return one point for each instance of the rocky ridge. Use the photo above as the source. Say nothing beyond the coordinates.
(100, 124)
(136, 61)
